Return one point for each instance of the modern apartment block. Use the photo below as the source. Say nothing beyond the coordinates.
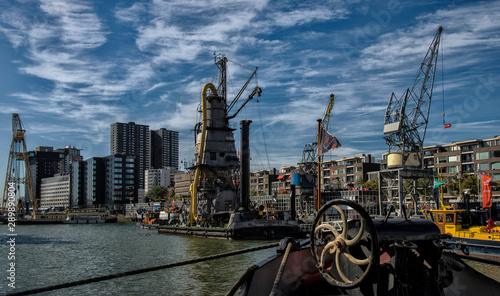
(46, 162)
(131, 139)
(348, 170)
(466, 157)
(159, 177)
(55, 192)
(261, 181)
(164, 149)
(94, 180)
(121, 181)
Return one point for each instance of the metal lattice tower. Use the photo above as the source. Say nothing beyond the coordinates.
(406, 118)
(405, 125)
(18, 168)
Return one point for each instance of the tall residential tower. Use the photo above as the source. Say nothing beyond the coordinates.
(164, 149)
(132, 139)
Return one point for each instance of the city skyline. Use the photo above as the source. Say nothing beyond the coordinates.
(70, 70)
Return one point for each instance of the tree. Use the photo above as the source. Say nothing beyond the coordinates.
(373, 184)
(359, 181)
(158, 193)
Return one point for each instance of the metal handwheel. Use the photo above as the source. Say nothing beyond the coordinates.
(344, 243)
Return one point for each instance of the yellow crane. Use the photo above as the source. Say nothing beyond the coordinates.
(15, 177)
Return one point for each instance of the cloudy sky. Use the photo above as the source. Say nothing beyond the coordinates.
(72, 68)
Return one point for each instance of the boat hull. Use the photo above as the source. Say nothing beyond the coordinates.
(301, 277)
(476, 249)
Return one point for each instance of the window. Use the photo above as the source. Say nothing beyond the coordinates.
(453, 158)
(495, 154)
(495, 166)
(483, 166)
(118, 176)
(481, 155)
(118, 164)
(452, 169)
(441, 159)
(496, 177)
(130, 160)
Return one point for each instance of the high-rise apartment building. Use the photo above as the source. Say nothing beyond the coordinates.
(132, 139)
(164, 149)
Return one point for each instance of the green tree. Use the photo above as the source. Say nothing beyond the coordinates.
(359, 181)
(158, 193)
(373, 184)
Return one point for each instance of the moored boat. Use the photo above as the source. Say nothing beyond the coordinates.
(475, 242)
(151, 220)
(89, 216)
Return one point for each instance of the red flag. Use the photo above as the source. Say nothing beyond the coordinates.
(486, 191)
(447, 125)
(365, 188)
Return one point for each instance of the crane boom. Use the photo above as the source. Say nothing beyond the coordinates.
(14, 176)
(406, 118)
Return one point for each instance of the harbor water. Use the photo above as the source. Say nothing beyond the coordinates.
(48, 255)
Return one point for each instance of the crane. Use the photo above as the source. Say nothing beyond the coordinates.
(405, 124)
(406, 117)
(14, 176)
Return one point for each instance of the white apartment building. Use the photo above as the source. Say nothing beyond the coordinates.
(55, 192)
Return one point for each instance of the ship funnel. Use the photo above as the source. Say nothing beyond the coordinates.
(245, 165)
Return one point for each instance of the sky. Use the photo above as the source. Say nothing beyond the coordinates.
(72, 68)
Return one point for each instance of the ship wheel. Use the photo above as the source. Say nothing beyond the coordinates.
(345, 250)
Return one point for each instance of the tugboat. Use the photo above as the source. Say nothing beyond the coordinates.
(220, 192)
(475, 242)
(151, 220)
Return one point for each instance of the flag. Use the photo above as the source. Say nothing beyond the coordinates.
(447, 125)
(275, 199)
(329, 142)
(351, 188)
(462, 176)
(486, 191)
(438, 183)
(365, 188)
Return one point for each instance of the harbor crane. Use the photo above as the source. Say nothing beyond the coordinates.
(406, 118)
(18, 161)
(405, 124)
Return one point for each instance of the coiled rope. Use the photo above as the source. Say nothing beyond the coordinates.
(142, 270)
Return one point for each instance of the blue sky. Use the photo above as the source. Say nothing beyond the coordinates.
(72, 68)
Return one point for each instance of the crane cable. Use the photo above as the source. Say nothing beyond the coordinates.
(442, 82)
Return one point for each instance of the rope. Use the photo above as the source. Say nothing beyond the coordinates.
(280, 271)
(142, 270)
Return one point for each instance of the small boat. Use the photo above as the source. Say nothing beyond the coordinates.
(349, 253)
(151, 220)
(475, 242)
